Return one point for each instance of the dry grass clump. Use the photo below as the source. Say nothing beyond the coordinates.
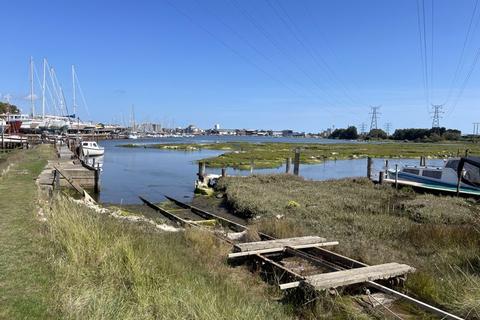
(106, 269)
(438, 235)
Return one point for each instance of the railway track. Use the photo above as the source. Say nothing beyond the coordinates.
(297, 261)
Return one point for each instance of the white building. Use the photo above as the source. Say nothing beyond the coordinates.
(216, 127)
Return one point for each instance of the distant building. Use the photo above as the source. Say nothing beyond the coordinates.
(191, 129)
(216, 127)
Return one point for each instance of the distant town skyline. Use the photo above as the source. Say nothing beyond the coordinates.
(301, 65)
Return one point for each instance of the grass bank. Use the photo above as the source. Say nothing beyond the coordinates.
(438, 235)
(73, 262)
(25, 278)
(273, 154)
(106, 269)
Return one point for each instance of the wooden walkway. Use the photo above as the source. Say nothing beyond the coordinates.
(66, 170)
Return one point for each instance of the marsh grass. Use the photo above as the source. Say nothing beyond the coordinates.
(241, 155)
(438, 235)
(108, 269)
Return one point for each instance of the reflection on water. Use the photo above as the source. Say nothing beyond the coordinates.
(94, 161)
(129, 172)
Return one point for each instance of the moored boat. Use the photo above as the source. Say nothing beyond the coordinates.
(91, 148)
(459, 175)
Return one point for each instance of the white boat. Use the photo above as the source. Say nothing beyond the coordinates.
(460, 175)
(91, 149)
(132, 135)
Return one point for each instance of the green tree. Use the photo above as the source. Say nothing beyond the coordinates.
(7, 107)
(377, 134)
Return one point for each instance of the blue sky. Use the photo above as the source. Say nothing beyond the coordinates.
(273, 64)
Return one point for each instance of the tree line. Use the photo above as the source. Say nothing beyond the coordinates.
(410, 134)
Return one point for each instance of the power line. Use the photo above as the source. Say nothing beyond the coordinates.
(461, 61)
(275, 43)
(296, 34)
(437, 110)
(374, 117)
(260, 53)
(465, 81)
(317, 57)
(423, 48)
(227, 46)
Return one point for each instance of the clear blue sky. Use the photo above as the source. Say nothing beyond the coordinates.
(303, 64)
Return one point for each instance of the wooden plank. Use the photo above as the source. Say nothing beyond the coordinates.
(357, 275)
(243, 254)
(279, 243)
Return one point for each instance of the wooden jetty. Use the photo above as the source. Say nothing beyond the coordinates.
(319, 269)
(68, 172)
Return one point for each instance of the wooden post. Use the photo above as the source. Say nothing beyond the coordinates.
(369, 167)
(296, 162)
(288, 164)
(423, 161)
(386, 165)
(466, 152)
(201, 170)
(396, 176)
(56, 180)
(224, 172)
(96, 187)
(381, 175)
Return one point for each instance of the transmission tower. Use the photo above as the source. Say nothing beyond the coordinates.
(475, 128)
(363, 128)
(388, 127)
(437, 110)
(374, 119)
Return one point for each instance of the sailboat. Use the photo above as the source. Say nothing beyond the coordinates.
(133, 134)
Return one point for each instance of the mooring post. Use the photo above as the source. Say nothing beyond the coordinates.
(386, 165)
(224, 172)
(369, 167)
(96, 186)
(381, 175)
(396, 176)
(296, 162)
(201, 170)
(288, 164)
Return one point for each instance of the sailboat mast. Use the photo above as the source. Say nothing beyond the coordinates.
(43, 86)
(31, 87)
(74, 93)
(133, 118)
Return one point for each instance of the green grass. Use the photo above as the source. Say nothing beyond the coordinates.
(106, 269)
(25, 278)
(438, 235)
(271, 155)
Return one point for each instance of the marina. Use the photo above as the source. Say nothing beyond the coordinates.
(242, 160)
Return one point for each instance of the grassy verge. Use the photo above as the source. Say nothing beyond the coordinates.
(106, 269)
(271, 155)
(436, 234)
(24, 276)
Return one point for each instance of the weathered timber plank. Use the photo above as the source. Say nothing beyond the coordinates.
(243, 254)
(288, 242)
(357, 275)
